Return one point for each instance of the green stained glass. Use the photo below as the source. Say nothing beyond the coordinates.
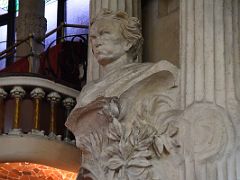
(17, 5)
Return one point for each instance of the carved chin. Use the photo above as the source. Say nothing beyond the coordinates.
(104, 61)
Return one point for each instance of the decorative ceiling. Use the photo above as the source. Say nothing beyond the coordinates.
(30, 171)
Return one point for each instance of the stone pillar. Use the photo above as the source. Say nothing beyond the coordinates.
(209, 51)
(210, 87)
(132, 7)
(30, 20)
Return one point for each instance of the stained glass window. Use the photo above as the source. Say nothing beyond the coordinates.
(3, 39)
(77, 12)
(4, 6)
(51, 16)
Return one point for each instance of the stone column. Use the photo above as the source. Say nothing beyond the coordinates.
(209, 51)
(210, 87)
(31, 20)
(132, 7)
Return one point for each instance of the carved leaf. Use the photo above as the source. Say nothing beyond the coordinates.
(112, 150)
(139, 162)
(163, 129)
(115, 163)
(113, 134)
(133, 138)
(118, 127)
(115, 130)
(125, 149)
(158, 146)
(144, 154)
(172, 130)
(135, 171)
(144, 145)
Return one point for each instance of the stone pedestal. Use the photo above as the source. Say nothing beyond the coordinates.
(132, 7)
(31, 20)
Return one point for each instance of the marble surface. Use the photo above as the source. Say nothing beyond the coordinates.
(153, 120)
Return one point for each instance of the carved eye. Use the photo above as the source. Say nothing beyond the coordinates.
(104, 32)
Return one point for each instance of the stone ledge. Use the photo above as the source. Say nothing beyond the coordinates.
(36, 149)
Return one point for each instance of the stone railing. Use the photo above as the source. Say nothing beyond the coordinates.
(35, 106)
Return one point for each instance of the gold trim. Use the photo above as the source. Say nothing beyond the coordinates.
(16, 120)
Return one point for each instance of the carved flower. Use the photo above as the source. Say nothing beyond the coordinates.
(129, 163)
(130, 154)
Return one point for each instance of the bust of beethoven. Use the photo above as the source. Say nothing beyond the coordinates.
(116, 40)
(128, 93)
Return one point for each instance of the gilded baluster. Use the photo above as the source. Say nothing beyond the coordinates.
(68, 103)
(37, 94)
(17, 93)
(54, 98)
(3, 95)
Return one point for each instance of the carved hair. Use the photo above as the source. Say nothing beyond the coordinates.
(130, 26)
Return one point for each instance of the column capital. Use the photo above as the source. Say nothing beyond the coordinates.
(37, 93)
(53, 97)
(17, 92)
(3, 93)
(69, 102)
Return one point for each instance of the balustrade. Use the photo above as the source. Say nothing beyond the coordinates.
(37, 94)
(48, 116)
(68, 103)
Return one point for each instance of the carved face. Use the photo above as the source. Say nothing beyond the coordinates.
(107, 41)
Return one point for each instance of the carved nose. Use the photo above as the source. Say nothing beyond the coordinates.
(96, 42)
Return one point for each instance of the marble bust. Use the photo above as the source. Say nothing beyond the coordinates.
(129, 95)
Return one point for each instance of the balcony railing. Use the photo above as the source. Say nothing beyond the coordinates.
(33, 58)
(46, 103)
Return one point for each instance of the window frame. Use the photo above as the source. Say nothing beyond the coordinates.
(9, 20)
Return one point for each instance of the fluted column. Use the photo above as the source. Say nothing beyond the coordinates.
(68, 103)
(37, 94)
(3, 95)
(209, 51)
(210, 76)
(17, 93)
(132, 7)
(54, 98)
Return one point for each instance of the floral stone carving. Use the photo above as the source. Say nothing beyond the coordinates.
(121, 153)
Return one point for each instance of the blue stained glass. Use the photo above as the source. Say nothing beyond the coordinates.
(51, 16)
(77, 13)
(3, 39)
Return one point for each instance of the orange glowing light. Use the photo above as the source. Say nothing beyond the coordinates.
(30, 171)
